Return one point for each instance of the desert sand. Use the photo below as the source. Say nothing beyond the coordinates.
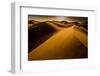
(66, 43)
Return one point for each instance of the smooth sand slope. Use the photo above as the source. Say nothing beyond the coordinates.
(38, 33)
(70, 42)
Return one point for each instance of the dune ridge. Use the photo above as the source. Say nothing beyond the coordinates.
(65, 42)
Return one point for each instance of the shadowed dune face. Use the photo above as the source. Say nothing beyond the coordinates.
(38, 34)
(57, 39)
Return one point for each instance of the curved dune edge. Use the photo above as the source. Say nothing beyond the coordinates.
(67, 43)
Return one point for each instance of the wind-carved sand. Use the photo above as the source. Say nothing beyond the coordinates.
(66, 43)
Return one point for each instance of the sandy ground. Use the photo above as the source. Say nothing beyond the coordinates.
(69, 42)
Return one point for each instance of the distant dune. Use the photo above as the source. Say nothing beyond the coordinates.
(57, 40)
(32, 22)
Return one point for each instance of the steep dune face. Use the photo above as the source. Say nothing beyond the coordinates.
(67, 43)
(38, 33)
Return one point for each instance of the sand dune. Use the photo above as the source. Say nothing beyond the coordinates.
(40, 32)
(70, 42)
(81, 34)
(52, 24)
(59, 24)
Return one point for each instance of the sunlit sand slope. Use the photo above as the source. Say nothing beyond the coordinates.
(70, 42)
(38, 33)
